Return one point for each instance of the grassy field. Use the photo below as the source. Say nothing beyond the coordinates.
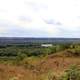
(38, 68)
(54, 63)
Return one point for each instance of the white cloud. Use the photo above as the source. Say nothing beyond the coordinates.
(61, 18)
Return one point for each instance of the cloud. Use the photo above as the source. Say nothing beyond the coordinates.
(40, 18)
(51, 21)
(36, 5)
(25, 19)
(42, 30)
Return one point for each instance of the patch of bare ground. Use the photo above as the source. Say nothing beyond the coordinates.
(8, 72)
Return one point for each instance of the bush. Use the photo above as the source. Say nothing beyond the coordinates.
(73, 73)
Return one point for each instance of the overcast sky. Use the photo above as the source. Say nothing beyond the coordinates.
(40, 18)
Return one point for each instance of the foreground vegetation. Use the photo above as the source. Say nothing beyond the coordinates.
(33, 62)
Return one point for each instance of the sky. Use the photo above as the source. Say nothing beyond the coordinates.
(40, 18)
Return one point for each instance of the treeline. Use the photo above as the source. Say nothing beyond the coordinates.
(30, 50)
(22, 51)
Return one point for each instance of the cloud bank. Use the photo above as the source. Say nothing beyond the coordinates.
(40, 18)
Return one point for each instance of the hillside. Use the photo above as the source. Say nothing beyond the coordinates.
(38, 69)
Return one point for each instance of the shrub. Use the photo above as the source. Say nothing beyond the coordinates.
(73, 73)
(51, 76)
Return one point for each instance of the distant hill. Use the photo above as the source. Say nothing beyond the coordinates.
(23, 40)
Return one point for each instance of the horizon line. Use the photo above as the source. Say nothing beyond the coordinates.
(38, 37)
